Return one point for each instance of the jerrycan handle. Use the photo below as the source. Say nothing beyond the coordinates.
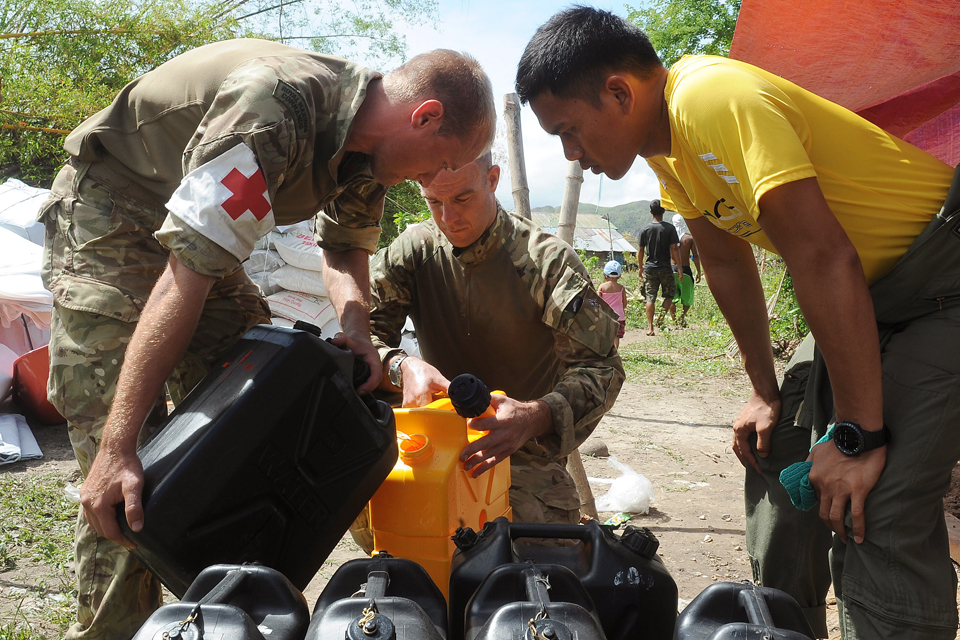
(553, 531)
(377, 583)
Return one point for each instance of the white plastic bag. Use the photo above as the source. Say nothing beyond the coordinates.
(631, 492)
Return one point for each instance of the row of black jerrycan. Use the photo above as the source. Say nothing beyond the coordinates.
(742, 611)
(633, 593)
(532, 602)
(380, 598)
(239, 602)
(268, 460)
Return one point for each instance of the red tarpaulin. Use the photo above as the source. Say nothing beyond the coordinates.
(895, 62)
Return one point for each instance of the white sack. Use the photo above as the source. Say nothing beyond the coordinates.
(294, 278)
(263, 260)
(300, 306)
(298, 248)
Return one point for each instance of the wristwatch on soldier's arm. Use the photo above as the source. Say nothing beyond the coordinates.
(395, 373)
(852, 439)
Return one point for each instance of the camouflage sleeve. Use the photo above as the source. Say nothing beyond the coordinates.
(352, 220)
(592, 374)
(391, 295)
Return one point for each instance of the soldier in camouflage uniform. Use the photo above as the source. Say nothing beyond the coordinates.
(163, 198)
(492, 295)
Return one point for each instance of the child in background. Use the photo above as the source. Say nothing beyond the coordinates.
(614, 294)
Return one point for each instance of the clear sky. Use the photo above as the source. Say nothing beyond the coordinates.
(496, 32)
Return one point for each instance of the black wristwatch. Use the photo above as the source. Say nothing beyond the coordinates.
(394, 372)
(852, 440)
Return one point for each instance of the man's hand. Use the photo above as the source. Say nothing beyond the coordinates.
(113, 478)
(421, 381)
(515, 423)
(360, 345)
(759, 416)
(840, 480)
(680, 275)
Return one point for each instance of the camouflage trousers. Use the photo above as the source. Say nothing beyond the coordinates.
(541, 491)
(101, 261)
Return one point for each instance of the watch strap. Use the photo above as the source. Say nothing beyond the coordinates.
(395, 373)
(875, 439)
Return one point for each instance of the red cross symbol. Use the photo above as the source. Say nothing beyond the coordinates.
(247, 195)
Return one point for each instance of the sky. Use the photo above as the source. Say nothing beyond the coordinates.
(496, 32)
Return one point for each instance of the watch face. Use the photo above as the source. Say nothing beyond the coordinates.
(848, 437)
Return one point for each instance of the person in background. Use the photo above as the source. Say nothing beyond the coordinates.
(682, 271)
(659, 243)
(615, 295)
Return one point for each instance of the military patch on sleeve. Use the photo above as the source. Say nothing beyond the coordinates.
(292, 100)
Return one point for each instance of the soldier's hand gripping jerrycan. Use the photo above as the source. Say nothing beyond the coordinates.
(429, 495)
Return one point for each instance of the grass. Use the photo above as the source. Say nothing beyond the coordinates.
(36, 530)
(700, 350)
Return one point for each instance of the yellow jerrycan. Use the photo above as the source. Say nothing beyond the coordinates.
(428, 495)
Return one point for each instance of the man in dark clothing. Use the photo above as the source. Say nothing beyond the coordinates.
(659, 242)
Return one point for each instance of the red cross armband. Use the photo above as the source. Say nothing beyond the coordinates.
(227, 201)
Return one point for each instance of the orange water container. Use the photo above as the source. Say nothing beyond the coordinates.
(428, 495)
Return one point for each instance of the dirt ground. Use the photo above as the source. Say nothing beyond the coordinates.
(676, 433)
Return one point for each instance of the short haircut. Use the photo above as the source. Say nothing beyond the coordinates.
(458, 82)
(485, 161)
(575, 51)
(656, 208)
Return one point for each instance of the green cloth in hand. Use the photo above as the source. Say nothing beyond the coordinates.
(796, 480)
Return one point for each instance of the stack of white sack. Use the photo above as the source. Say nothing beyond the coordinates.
(287, 265)
(25, 306)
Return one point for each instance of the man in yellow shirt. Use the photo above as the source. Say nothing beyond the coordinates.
(746, 155)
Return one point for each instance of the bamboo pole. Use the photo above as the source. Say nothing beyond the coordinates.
(567, 226)
(518, 168)
(571, 201)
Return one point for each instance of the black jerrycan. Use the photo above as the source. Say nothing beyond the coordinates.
(533, 602)
(380, 598)
(742, 611)
(633, 592)
(240, 602)
(267, 460)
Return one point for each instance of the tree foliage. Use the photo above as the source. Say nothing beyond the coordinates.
(680, 27)
(404, 206)
(64, 60)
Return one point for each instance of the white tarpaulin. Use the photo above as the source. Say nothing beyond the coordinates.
(17, 441)
(19, 205)
(21, 290)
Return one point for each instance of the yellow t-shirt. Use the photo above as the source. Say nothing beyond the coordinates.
(738, 131)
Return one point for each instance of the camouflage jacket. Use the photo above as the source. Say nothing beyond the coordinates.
(516, 308)
(236, 137)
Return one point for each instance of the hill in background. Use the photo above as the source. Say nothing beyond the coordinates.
(627, 218)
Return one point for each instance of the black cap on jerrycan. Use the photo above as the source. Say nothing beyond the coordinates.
(469, 396)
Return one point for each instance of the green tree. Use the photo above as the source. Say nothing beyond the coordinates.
(403, 206)
(680, 27)
(64, 60)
